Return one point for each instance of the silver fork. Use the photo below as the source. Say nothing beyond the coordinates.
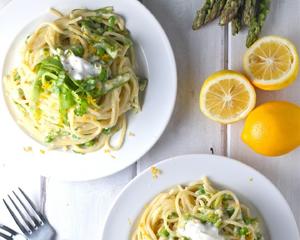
(35, 226)
(8, 233)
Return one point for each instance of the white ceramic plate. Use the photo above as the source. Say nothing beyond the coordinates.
(249, 185)
(155, 59)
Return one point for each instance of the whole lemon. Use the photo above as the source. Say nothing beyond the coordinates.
(273, 128)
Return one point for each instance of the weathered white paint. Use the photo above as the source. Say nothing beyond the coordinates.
(77, 210)
(3, 3)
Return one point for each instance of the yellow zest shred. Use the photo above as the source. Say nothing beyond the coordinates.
(131, 134)
(107, 151)
(38, 114)
(129, 221)
(44, 95)
(46, 85)
(155, 172)
(106, 58)
(42, 151)
(28, 149)
(91, 100)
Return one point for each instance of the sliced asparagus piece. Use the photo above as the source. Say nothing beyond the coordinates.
(230, 10)
(258, 22)
(115, 83)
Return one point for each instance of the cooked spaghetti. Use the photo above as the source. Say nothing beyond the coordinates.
(76, 81)
(197, 211)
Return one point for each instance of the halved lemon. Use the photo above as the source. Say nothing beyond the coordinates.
(272, 63)
(227, 96)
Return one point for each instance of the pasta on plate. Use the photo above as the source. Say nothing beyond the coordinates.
(76, 81)
(195, 212)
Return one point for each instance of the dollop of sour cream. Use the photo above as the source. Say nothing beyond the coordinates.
(77, 67)
(195, 230)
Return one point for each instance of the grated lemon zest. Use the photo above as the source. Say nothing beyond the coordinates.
(155, 172)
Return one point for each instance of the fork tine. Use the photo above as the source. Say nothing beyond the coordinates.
(11, 231)
(33, 218)
(5, 236)
(32, 205)
(20, 225)
(29, 225)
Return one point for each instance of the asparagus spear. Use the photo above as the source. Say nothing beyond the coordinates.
(202, 13)
(215, 11)
(236, 26)
(249, 11)
(237, 22)
(222, 4)
(230, 10)
(258, 22)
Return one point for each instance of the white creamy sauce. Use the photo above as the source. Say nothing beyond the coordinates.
(78, 68)
(195, 230)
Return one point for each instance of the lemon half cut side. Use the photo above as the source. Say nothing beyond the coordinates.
(227, 96)
(272, 63)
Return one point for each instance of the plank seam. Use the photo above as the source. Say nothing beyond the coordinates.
(136, 166)
(43, 194)
(225, 128)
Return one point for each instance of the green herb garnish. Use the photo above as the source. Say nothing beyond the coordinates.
(77, 50)
(201, 190)
(163, 233)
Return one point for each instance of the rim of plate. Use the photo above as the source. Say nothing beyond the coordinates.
(94, 175)
(191, 157)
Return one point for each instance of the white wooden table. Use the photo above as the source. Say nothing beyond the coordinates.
(77, 210)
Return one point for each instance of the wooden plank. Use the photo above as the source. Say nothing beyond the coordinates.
(78, 210)
(283, 171)
(198, 54)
